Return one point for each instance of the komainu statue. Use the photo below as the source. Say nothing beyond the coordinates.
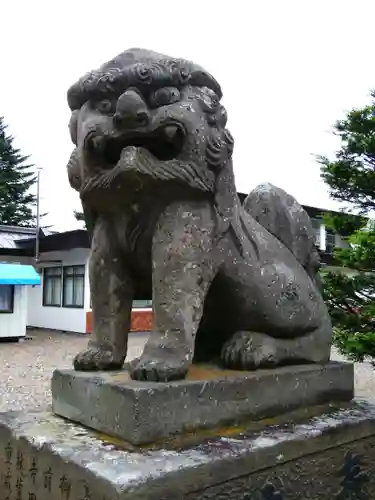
(230, 282)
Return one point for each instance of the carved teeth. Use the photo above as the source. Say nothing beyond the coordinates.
(170, 132)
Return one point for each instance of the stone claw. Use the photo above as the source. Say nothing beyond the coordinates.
(97, 359)
(250, 351)
(153, 370)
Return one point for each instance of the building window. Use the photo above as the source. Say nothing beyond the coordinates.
(6, 298)
(52, 286)
(74, 286)
(330, 241)
(138, 304)
(316, 223)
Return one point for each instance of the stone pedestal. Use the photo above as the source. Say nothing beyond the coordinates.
(327, 456)
(144, 412)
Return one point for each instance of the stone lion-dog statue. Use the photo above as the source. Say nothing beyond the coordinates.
(234, 283)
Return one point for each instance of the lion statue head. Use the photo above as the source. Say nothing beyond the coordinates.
(144, 122)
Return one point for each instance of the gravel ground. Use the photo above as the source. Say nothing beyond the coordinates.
(26, 367)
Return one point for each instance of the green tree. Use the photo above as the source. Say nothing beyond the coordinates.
(16, 179)
(79, 216)
(350, 293)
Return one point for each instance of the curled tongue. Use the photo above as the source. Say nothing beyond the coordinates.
(170, 132)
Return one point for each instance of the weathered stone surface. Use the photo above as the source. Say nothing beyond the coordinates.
(153, 166)
(283, 216)
(140, 412)
(43, 457)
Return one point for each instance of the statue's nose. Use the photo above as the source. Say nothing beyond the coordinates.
(131, 110)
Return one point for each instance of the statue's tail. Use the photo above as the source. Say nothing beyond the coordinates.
(284, 218)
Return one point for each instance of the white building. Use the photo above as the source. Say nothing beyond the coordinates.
(15, 279)
(62, 302)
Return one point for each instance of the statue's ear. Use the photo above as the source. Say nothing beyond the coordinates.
(74, 170)
(75, 180)
(219, 159)
(73, 124)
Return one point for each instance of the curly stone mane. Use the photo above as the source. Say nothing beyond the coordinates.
(156, 71)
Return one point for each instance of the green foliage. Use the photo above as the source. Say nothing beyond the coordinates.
(79, 216)
(350, 299)
(16, 179)
(350, 294)
(351, 176)
(351, 302)
(357, 346)
(344, 224)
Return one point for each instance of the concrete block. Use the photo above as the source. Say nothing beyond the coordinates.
(325, 456)
(144, 412)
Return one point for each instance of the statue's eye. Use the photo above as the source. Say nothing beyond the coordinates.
(106, 106)
(164, 96)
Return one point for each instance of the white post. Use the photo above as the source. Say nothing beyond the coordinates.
(37, 217)
(323, 234)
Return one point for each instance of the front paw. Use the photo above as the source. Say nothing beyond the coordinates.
(97, 359)
(154, 370)
(250, 351)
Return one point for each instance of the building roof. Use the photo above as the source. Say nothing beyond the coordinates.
(318, 212)
(10, 236)
(68, 240)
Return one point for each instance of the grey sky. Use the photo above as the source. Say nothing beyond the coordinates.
(288, 69)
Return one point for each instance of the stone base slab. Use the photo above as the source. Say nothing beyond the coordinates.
(328, 456)
(144, 412)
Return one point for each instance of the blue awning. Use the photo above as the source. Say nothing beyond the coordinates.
(17, 274)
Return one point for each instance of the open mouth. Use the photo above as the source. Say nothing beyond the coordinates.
(165, 143)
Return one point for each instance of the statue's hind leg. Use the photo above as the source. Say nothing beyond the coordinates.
(247, 350)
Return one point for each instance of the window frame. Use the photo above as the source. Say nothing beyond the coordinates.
(330, 241)
(134, 306)
(317, 223)
(64, 275)
(11, 307)
(45, 272)
(148, 304)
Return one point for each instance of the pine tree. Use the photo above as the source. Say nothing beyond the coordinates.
(350, 176)
(16, 179)
(79, 216)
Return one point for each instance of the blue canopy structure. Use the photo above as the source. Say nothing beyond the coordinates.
(17, 274)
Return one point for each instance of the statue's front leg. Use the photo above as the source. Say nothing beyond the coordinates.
(112, 296)
(183, 269)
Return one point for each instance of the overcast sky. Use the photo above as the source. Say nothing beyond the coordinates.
(288, 69)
